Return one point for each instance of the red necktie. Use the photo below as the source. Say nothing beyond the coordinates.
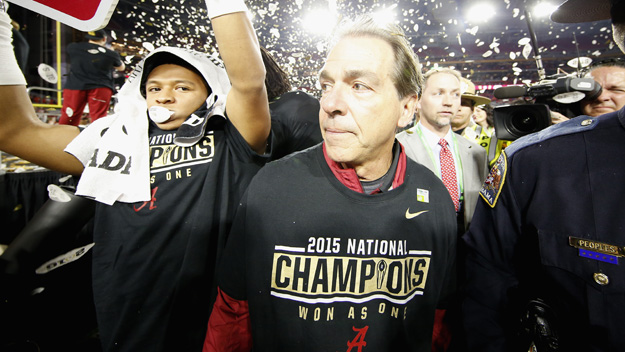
(448, 172)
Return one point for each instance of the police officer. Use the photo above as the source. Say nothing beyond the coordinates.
(545, 265)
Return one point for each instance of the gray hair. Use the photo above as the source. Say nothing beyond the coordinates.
(407, 75)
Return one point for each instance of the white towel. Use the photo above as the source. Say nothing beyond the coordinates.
(114, 149)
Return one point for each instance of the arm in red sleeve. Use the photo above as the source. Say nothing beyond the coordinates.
(441, 334)
(229, 327)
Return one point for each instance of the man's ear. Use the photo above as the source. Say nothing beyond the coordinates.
(409, 105)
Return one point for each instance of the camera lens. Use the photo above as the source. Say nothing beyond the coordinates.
(523, 122)
(515, 121)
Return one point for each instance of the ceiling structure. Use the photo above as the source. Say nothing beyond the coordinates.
(441, 32)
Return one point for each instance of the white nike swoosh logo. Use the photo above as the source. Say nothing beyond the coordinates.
(410, 215)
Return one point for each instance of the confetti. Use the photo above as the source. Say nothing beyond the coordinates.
(437, 30)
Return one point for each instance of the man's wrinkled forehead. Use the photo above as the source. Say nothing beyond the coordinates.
(345, 64)
(610, 78)
(348, 73)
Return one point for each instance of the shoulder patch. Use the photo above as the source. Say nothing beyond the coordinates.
(575, 125)
(495, 180)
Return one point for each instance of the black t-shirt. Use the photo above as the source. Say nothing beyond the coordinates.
(91, 66)
(325, 268)
(154, 262)
(294, 123)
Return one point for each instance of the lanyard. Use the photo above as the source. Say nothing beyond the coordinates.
(456, 157)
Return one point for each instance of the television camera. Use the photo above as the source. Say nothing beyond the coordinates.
(533, 113)
(555, 93)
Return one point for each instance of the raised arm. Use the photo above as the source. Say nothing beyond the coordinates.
(247, 105)
(21, 132)
(121, 67)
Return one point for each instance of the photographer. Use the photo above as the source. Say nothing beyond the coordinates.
(545, 240)
(611, 76)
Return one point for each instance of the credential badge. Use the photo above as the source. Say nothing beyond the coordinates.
(423, 195)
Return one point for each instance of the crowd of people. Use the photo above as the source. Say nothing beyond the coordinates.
(235, 214)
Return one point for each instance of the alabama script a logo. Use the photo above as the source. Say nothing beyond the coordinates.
(358, 341)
